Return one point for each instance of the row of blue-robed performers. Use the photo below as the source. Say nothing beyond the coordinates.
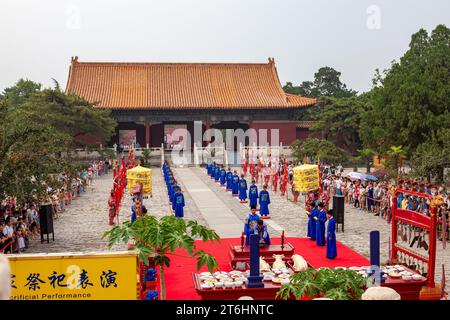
(174, 193)
(255, 225)
(316, 231)
(238, 187)
(316, 228)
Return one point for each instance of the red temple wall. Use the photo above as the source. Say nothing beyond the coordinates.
(303, 134)
(287, 131)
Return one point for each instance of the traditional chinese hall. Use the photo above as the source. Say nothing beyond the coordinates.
(151, 100)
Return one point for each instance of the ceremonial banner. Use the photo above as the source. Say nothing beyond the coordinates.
(93, 276)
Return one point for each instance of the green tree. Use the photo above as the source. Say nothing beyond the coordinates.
(146, 154)
(367, 155)
(410, 101)
(106, 154)
(396, 155)
(160, 238)
(20, 92)
(431, 158)
(318, 150)
(326, 82)
(37, 135)
(305, 89)
(338, 119)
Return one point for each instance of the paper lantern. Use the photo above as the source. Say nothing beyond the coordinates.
(139, 175)
(306, 178)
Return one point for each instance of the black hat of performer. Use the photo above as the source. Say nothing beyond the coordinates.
(260, 222)
(253, 207)
(330, 212)
(320, 204)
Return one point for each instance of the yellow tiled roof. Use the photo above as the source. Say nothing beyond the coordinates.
(181, 86)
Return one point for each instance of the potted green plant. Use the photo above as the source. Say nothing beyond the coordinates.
(159, 238)
(146, 154)
(335, 284)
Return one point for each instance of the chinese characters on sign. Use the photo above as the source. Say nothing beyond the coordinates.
(100, 276)
(107, 279)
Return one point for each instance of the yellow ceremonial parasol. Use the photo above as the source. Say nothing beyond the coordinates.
(306, 178)
(139, 175)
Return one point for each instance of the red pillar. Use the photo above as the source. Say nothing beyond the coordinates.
(147, 134)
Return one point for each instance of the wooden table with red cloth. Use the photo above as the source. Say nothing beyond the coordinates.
(179, 280)
(408, 289)
(242, 254)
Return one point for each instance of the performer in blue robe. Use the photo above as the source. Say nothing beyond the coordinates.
(229, 179)
(133, 210)
(166, 177)
(264, 201)
(179, 204)
(321, 218)
(166, 174)
(208, 169)
(250, 224)
(235, 184)
(175, 188)
(168, 184)
(223, 176)
(217, 174)
(331, 236)
(213, 170)
(170, 190)
(312, 210)
(253, 194)
(261, 230)
(164, 169)
(243, 188)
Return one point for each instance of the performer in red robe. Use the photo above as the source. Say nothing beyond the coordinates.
(252, 166)
(245, 167)
(294, 193)
(267, 174)
(112, 208)
(275, 181)
(284, 182)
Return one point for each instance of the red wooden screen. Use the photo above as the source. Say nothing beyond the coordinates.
(414, 221)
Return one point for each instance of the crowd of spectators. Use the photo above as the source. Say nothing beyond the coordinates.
(376, 197)
(20, 222)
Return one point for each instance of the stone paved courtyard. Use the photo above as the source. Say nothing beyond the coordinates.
(80, 227)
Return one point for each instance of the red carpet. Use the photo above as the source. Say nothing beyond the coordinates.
(179, 276)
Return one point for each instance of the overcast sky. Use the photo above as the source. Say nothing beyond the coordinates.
(38, 37)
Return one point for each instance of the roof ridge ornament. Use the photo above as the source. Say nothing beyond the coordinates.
(74, 60)
(271, 60)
